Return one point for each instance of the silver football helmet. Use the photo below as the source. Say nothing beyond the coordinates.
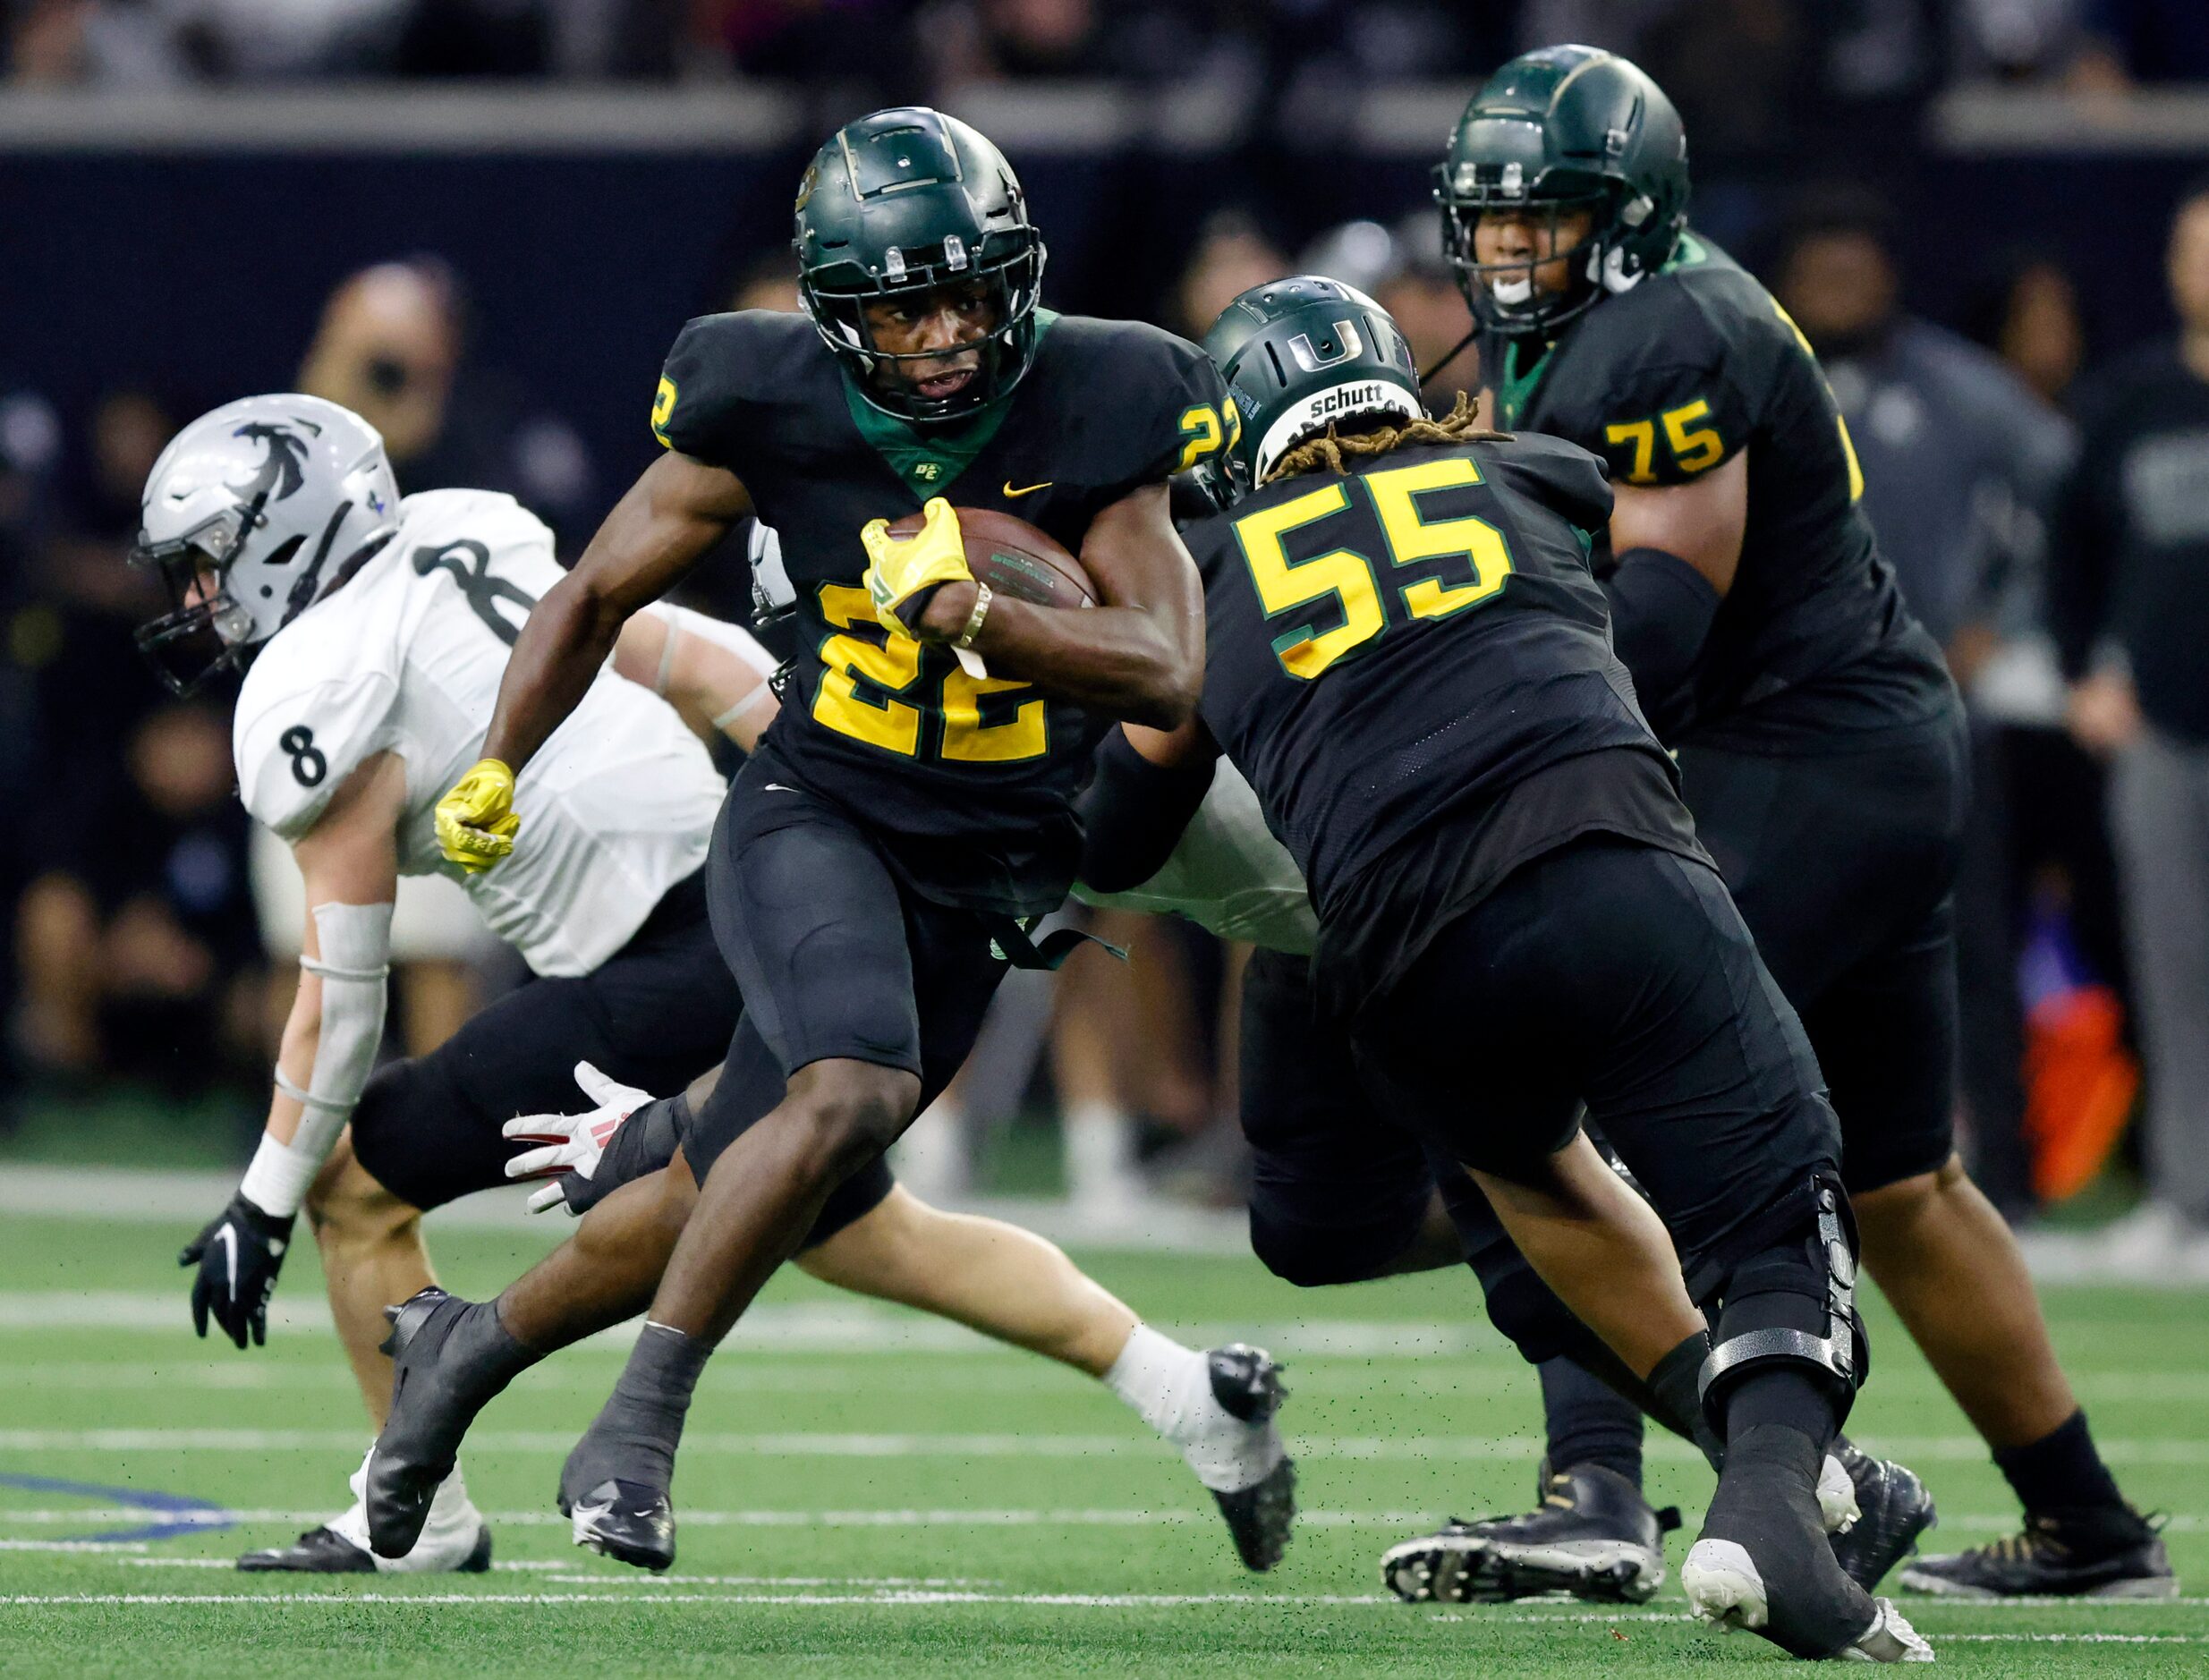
(247, 513)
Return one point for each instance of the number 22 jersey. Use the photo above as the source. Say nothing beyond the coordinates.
(967, 783)
(405, 656)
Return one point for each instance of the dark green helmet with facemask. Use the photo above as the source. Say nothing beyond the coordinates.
(900, 204)
(1563, 129)
(1299, 355)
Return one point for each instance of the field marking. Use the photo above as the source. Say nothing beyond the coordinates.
(892, 1598)
(214, 1517)
(949, 1444)
(852, 1327)
(75, 1546)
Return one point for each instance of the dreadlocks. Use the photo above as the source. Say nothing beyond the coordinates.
(1330, 448)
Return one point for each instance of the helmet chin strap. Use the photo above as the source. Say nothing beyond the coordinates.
(302, 595)
(1448, 356)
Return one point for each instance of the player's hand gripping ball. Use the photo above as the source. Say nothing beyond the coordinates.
(899, 571)
(475, 821)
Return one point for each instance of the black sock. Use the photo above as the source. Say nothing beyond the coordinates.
(2061, 1474)
(639, 1428)
(1678, 1401)
(1787, 1394)
(1589, 1424)
(517, 1352)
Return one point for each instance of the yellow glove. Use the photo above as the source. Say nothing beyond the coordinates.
(898, 569)
(476, 823)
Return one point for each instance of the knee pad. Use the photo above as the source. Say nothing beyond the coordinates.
(1791, 1299)
(1315, 1257)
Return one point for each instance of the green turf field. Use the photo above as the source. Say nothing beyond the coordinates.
(865, 1493)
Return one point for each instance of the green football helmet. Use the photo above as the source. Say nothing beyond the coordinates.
(1299, 355)
(901, 203)
(1563, 129)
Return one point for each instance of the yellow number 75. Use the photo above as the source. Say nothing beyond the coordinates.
(1695, 450)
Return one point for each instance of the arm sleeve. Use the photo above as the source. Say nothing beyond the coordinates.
(1661, 612)
(1132, 813)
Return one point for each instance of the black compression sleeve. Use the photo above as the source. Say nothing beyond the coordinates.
(1660, 611)
(1132, 813)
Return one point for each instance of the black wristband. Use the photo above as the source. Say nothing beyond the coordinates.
(1133, 813)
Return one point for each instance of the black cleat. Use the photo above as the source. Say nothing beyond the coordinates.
(323, 1551)
(1764, 1562)
(626, 1521)
(449, 1359)
(1247, 1383)
(2053, 1558)
(1893, 1509)
(1593, 1536)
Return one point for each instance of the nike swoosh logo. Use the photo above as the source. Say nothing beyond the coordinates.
(1026, 489)
(228, 1238)
(777, 788)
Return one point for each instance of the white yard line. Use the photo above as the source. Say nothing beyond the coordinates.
(1918, 1450)
(214, 1517)
(892, 1598)
(854, 1327)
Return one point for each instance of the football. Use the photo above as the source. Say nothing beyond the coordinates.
(1014, 558)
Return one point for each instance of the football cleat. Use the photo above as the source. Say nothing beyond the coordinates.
(323, 1551)
(1260, 1514)
(449, 1358)
(1593, 1536)
(1764, 1561)
(1727, 1590)
(626, 1521)
(2051, 1559)
(1893, 1509)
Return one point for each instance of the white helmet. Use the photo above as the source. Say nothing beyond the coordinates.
(244, 514)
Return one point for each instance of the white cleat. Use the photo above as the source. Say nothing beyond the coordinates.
(1725, 1590)
(1889, 1639)
(1837, 1496)
(1723, 1586)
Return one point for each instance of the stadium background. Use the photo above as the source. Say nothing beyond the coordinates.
(187, 185)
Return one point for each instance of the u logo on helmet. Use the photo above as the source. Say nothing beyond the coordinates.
(1312, 362)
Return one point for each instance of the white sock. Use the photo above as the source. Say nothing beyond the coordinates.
(1170, 1387)
(1099, 1143)
(452, 1521)
(932, 1157)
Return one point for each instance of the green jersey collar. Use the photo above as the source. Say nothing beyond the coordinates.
(929, 458)
(1515, 389)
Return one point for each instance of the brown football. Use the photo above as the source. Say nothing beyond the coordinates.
(1014, 558)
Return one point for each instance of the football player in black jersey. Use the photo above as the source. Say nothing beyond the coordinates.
(881, 854)
(1820, 744)
(1407, 656)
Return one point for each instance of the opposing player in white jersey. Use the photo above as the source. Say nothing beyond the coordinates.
(373, 631)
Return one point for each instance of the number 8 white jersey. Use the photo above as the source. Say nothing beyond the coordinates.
(406, 657)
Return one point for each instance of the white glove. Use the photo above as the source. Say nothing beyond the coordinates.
(573, 1142)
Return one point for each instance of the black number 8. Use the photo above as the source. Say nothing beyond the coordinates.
(308, 764)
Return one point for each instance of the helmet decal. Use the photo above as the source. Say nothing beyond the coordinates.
(1346, 338)
(284, 467)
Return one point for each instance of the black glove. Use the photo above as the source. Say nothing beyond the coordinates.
(239, 1255)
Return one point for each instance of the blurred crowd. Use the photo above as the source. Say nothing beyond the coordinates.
(2039, 479)
(1744, 71)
